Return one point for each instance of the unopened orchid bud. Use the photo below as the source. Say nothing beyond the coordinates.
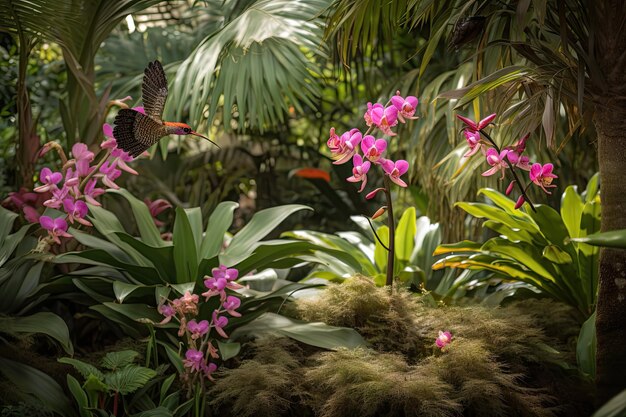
(379, 212)
(520, 202)
(509, 188)
(372, 194)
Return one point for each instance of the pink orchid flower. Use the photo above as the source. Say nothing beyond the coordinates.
(222, 271)
(91, 192)
(384, 118)
(56, 227)
(82, 157)
(344, 146)
(209, 369)
(223, 278)
(198, 329)
(543, 176)
(168, 311)
(156, 207)
(111, 173)
(56, 201)
(406, 106)
(496, 161)
(76, 210)
(395, 170)
(31, 214)
(359, 172)
(373, 149)
(443, 339)
(475, 127)
(119, 155)
(194, 360)
(71, 178)
(231, 304)
(49, 179)
(517, 160)
(219, 322)
(473, 141)
(187, 304)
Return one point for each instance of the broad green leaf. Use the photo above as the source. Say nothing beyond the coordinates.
(314, 334)
(481, 210)
(93, 385)
(593, 186)
(615, 407)
(85, 369)
(174, 357)
(117, 360)
(44, 322)
(219, 222)
(185, 255)
(147, 229)
(123, 290)
(194, 215)
(79, 395)
(380, 253)
(503, 202)
(129, 379)
(262, 223)
(612, 239)
(555, 254)
(405, 234)
(228, 350)
(7, 218)
(550, 224)
(162, 258)
(571, 210)
(463, 246)
(38, 384)
(523, 253)
(11, 242)
(586, 347)
(138, 312)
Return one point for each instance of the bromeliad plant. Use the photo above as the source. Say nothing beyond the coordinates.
(509, 157)
(346, 147)
(536, 247)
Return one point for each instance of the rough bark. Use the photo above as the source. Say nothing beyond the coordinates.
(610, 122)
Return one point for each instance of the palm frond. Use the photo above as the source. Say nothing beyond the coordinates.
(258, 65)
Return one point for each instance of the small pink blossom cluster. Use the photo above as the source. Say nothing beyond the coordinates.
(79, 182)
(377, 116)
(509, 157)
(200, 347)
(443, 339)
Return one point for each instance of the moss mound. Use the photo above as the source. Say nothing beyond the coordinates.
(500, 363)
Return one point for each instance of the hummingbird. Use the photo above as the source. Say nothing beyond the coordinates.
(136, 132)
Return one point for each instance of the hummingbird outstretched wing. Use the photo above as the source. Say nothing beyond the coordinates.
(154, 91)
(135, 132)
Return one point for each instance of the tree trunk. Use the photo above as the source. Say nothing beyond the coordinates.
(610, 122)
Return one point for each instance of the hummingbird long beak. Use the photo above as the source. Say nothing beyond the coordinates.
(204, 137)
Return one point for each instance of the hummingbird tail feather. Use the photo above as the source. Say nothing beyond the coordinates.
(135, 132)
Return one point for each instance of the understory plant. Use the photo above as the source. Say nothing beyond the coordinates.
(535, 246)
(346, 147)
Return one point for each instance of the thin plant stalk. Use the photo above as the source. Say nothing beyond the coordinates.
(391, 254)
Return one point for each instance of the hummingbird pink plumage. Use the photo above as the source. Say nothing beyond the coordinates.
(136, 132)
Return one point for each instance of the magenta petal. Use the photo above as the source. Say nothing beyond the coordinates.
(535, 171)
(490, 171)
(381, 145)
(398, 181)
(483, 123)
(60, 224)
(45, 173)
(365, 167)
(107, 130)
(470, 123)
(547, 169)
(412, 100)
(46, 222)
(402, 166)
(357, 160)
(397, 102)
(140, 109)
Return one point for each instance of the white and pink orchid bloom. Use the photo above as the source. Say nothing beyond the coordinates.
(497, 162)
(372, 148)
(473, 141)
(395, 170)
(345, 146)
(359, 171)
(384, 118)
(406, 106)
(49, 180)
(542, 176)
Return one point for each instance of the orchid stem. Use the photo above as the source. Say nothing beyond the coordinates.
(376, 234)
(391, 254)
(519, 183)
